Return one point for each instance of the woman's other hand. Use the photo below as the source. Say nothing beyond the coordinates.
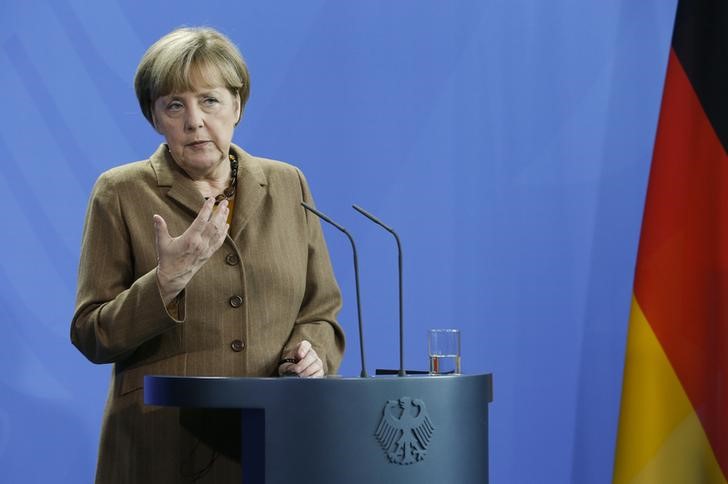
(179, 258)
(307, 362)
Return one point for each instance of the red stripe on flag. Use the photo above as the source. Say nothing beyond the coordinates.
(681, 281)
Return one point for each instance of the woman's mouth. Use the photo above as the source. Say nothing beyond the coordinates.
(197, 144)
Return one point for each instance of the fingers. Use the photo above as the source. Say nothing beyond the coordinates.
(161, 232)
(217, 223)
(309, 364)
(220, 214)
(286, 369)
(219, 218)
(179, 258)
(203, 216)
(207, 209)
(207, 232)
(221, 236)
(316, 371)
(302, 349)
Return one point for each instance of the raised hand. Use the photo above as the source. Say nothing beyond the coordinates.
(179, 258)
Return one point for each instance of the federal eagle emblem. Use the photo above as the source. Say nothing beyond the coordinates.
(405, 430)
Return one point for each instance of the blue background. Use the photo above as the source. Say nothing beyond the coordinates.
(508, 141)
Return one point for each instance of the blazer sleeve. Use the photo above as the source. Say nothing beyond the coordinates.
(115, 313)
(316, 321)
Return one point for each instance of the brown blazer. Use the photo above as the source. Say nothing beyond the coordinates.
(267, 288)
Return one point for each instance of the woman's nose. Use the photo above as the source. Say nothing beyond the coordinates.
(194, 118)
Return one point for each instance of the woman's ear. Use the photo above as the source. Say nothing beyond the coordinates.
(238, 106)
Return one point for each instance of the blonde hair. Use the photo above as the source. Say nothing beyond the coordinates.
(185, 55)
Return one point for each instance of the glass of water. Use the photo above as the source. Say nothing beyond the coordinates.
(443, 348)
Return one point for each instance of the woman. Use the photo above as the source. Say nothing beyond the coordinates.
(197, 261)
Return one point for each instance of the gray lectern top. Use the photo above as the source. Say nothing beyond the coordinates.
(385, 429)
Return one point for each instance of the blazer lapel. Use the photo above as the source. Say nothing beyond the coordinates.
(250, 191)
(181, 190)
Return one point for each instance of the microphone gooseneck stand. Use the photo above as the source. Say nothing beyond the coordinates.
(323, 217)
(374, 219)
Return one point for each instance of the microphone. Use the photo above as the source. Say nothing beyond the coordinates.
(374, 219)
(323, 217)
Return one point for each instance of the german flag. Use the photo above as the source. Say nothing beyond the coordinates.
(673, 425)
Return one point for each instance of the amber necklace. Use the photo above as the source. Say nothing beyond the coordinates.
(229, 192)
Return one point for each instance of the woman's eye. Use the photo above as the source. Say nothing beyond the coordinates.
(209, 101)
(174, 106)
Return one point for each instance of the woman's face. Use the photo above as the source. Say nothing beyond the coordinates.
(198, 126)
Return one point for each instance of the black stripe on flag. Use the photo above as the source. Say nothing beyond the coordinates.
(700, 41)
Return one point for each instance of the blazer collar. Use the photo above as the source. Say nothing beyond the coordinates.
(250, 190)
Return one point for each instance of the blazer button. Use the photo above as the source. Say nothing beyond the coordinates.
(236, 301)
(232, 259)
(237, 345)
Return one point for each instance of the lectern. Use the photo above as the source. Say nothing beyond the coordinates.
(411, 429)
